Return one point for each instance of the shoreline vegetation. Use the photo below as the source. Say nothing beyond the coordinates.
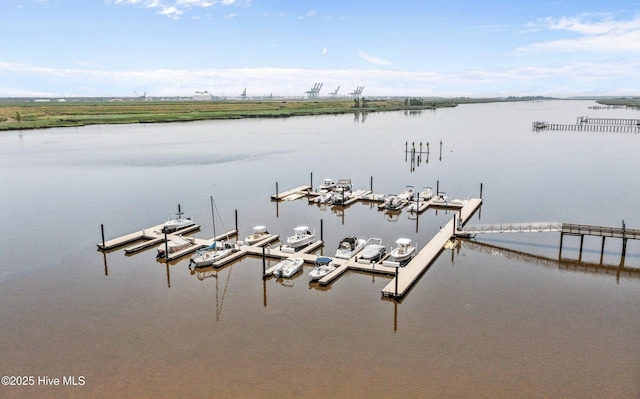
(21, 114)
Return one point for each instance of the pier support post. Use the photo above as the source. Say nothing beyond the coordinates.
(236, 220)
(264, 264)
(602, 250)
(371, 184)
(440, 150)
(396, 295)
(624, 244)
(581, 242)
(102, 229)
(277, 198)
(166, 248)
(321, 230)
(560, 253)
(311, 183)
(179, 208)
(480, 190)
(437, 187)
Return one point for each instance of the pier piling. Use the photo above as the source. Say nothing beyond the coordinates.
(102, 229)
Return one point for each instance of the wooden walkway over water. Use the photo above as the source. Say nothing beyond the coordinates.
(586, 124)
(408, 275)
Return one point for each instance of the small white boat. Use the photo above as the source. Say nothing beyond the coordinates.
(441, 198)
(327, 184)
(324, 197)
(208, 255)
(407, 193)
(177, 223)
(393, 203)
(301, 237)
(259, 233)
(404, 250)
(373, 250)
(175, 244)
(324, 266)
(288, 267)
(426, 194)
(349, 246)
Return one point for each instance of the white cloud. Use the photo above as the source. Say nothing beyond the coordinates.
(568, 79)
(310, 13)
(373, 60)
(175, 8)
(324, 51)
(602, 35)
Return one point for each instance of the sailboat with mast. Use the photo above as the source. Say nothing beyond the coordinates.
(217, 250)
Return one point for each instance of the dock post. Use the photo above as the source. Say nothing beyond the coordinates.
(602, 249)
(236, 221)
(179, 208)
(311, 180)
(560, 253)
(264, 264)
(480, 190)
(371, 184)
(102, 229)
(440, 150)
(277, 198)
(437, 187)
(396, 282)
(581, 242)
(321, 230)
(166, 248)
(624, 244)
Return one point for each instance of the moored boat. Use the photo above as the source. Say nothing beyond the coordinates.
(259, 233)
(324, 266)
(175, 244)
(373, 250)
(327, 184)
(288, 267)
(177, 223)
(208, 255)
(350, 246)
(301, 237)
(403, 250)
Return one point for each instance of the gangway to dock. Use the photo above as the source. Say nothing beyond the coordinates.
(535, 227)
(407, 276)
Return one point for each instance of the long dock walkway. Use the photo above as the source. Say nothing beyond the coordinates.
(408, 275)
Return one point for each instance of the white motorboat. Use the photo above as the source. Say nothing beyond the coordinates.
(403, 250)
(393, 203)
(324, 266)
(175, 244)
(208, 255)
(426, 194)
(259, 233)
(288, 267)
(373, 250)
(301, 237)
(349, 246)
(441, 198)
(407, 193)
(324, 197)
(327, 184)
(177, 223)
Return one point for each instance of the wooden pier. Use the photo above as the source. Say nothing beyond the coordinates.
(586, 124)
(293, 194)
(408, 275)
(151, 235)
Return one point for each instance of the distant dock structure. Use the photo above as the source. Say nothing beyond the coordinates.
(357, 92)
(314, 92)
(586, 124)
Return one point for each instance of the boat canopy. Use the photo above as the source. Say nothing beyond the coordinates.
(403, 241)
(323, 260)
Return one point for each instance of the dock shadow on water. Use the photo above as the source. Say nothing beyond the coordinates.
(484, 319)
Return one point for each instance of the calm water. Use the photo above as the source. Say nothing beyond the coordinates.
(480, 323)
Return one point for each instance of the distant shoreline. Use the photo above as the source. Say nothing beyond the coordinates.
(25, 115)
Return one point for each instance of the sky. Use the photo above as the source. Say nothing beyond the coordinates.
(124, 48)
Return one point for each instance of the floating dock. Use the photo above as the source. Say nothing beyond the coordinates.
(408, 275)
(292, 194)
(150, 234)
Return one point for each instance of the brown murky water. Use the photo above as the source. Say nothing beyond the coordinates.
(481, 322)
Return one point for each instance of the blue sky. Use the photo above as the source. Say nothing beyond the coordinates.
(57, 48)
